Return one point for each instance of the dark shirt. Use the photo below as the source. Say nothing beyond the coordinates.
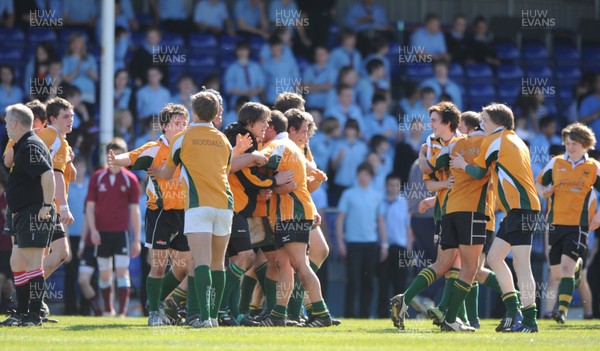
(24, 186)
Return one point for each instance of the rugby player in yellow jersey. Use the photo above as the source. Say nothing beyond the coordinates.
(319, 250)
(469, 123)
(292, 216)
(569, 181)
(205, 156)
(164, 213)
(508, 157)
(445, 118)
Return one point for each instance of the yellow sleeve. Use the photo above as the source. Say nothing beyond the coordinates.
(9, 145)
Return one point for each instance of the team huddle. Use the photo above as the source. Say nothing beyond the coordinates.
(243, 197)
(475, 162)
(243, 194)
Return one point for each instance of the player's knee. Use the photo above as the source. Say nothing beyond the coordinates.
(245, 258)
(124, 281)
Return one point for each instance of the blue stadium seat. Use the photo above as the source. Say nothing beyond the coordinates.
(590, 57)
(509, 72)
(418, 72)
(535, 53)
(508, 92)
(567, 74)
(481, 91)
(256, 43)
(507, 52)
(172, 39)
(541, 71)
(66, 32)
(203, 41)
(456, 72)
(227, 60)
(566, 55)
(227, 43)
(138, 38)
(12, 37)
(39, 35)
(175, 72)
(12, 56)
(479, 72)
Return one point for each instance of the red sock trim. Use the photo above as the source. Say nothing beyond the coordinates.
(36, 273)
(21, 278)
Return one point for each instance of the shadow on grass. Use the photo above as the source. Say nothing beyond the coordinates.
(574, 327)
(402, 332)
(86, 327)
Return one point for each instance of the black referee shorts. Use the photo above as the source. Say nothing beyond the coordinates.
(29, 231)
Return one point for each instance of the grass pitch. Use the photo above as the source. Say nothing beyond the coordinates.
(106, 334)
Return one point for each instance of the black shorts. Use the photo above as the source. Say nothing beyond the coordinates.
(59, 231)
(569, 240)
(164, 230)
(462, 228)
(294, 231)
(87, 258)
(518, 226)
(8, 228)
(113, 243)
(489, 238)
(239, 241)
(5, 264)
(31, 232)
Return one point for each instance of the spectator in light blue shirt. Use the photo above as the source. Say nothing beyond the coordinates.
(121, 47)
(80, 12)
(441, 84)
(152, 97)
(9, 92)
(360, 220)
(213, 16)
(167, 10)
(80, 69)
(347, 75)
(125, 17)
(281, 75)
(285, 35)
(344, 108)
(541, 144)
(379, 121)
(369, 85)
(323, 143)
(123, 93)
(350, 152)
(251, 17)
(54, 10)
(380, 51)
(285, 14)
(319, 78)
(430, 39)
(418, 117)
(186, 88)
(392, 272)
(366, 16)
(7, 13)
(346, 54)
(244, 77)
(589, 110)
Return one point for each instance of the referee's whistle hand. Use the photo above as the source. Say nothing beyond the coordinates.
(136, 248)
(44, 213)
(95, 237)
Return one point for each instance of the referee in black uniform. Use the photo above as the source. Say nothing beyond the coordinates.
(30, 196)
